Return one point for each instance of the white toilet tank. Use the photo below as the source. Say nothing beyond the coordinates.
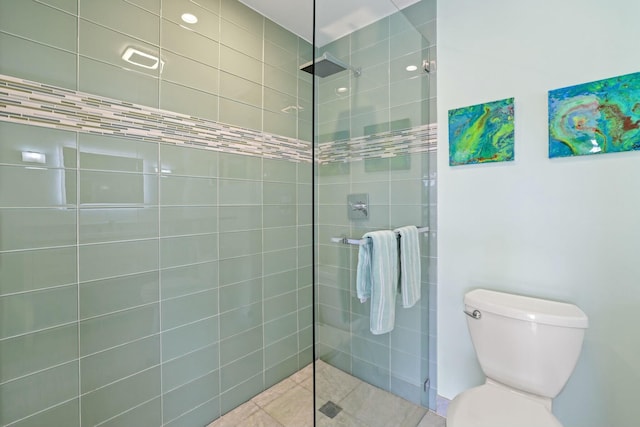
(529, 344)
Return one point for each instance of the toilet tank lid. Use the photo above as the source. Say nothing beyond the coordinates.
(527, 308)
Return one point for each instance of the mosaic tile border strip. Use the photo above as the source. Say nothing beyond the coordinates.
(390, 144)
(38, 104)
(28, 102)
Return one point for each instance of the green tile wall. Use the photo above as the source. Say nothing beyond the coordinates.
(144, 283)
(225, 61)
(184, 283)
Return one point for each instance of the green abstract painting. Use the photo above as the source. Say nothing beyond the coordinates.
(595, 118)
(481, 133)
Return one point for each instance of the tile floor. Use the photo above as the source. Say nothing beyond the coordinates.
(288, 404)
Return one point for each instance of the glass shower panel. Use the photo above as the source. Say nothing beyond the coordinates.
(373, 142)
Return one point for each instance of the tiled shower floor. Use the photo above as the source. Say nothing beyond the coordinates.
(288, 404)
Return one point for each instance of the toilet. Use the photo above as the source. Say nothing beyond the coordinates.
(527, 348)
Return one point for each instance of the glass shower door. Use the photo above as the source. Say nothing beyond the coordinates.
(373, 150)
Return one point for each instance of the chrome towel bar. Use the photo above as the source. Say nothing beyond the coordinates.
(349, 241)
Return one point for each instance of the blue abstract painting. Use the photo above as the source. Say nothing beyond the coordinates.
(595, 118)
(481, 133)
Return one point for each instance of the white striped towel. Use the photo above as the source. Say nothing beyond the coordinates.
(377, 278)
(409, 265)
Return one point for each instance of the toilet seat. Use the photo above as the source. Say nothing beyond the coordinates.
(491, 405)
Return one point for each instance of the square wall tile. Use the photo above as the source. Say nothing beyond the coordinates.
(102, 404)
(37, 269)
(239, 64)
(70, 6)
(124, 17)
(36, 228)
(184, 250)
(199, 416)
(180, 220)
(242, 15)
(193, 102)
(240, 370)
(58, 146)
(189, 161)
(117, 259)
(239, 114)
(280, 238)
(186, 339)
(40, 23)
(188, 191)
(126, 85)
(105, 296)
(34, 352)
(278, 79)
(55, 385)
(152, 6)
(240, 269)
(240, 243)
(371, 34)
(279, 216)
(65, 414)
(241, 39)
(190, 308)
(280, 328)
(181, 39)
(19, 57)
(239, 345)
(106, 45)
(147, 414)
(242, 319)
(281, 350)
(207, 12)
(108, 225)
(284, 124)
(240, 294)
(189, 367)
(37, 310)
(280, 36)
(180, 400)
(280, 305)
(46, 187)
(280, 283)
(110, 153)
(241, 393)
(240, 89)
(240, 166)
(112, 365)
(190, 73)
(102, 333)
(240, 192)
(188, 279)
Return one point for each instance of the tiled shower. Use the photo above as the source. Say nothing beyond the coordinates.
(156, 221)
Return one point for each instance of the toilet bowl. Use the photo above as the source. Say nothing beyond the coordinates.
(527, 348)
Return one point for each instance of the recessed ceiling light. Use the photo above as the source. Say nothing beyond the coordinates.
(411, 68)
(189, 18)
(342, 90)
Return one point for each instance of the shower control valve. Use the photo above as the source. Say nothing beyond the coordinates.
(358, 206)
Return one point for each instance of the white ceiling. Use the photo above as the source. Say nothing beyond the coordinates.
(334, 18)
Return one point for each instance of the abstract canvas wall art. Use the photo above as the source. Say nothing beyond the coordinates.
(481, 133)
(595, 118)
